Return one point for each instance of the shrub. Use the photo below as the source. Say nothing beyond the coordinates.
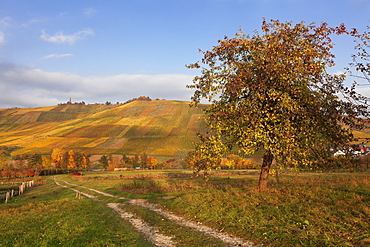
(76, 174)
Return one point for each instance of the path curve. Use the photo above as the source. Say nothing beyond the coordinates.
(151, 232)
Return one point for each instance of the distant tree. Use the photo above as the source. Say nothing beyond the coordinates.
(135, 161)
(143, 160)
(125, 161)
(271, 92)
(72, 164)
(82, 160)
(3, 159)
(112, 159)
(144, 98)
(57, 157)
(104, 161)
(35, 161)
(152, 162)
(228, 164)
(45, 161)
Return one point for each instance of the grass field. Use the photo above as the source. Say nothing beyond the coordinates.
(49, 215)
(303, 209)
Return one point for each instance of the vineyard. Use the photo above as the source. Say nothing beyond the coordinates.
(166, 128)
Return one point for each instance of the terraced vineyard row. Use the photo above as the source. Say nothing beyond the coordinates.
(156, 127)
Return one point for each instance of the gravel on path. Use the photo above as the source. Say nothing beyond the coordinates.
(152, 232)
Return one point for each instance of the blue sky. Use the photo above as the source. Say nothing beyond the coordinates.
(97, 51)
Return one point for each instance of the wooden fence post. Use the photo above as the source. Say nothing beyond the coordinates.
(21, 188)
(7, 197)
(78, 195)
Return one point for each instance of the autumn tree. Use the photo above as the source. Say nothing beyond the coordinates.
(207, 155)
(71, 160)
(152, 162)
(83, 160)
(57, 156)
(272, 92)
(45, 161)
(361, 59)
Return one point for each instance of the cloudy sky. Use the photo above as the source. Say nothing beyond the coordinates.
(115, 50)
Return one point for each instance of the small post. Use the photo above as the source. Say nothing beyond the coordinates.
(12, 194)
(78, 195)
(21, 188)
(7, 196)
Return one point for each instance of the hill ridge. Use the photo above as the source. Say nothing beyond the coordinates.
(165, 128)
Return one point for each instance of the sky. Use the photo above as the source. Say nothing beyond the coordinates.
(115, 50)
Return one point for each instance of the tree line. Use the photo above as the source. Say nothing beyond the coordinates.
(143, 161)
(60, 161)
(22, 165)
(140, 98)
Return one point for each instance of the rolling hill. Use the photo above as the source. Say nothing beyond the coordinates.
(160, 127)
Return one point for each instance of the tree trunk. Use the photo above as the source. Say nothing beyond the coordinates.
(264, 175)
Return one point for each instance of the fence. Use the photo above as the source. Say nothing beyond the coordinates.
(21, 190)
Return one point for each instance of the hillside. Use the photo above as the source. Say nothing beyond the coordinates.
(158, 127)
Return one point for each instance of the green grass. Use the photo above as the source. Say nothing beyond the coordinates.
(182, 235)
(51, 216)
(304, 209)
(309, 210)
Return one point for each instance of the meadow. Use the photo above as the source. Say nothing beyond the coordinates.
(302, 209)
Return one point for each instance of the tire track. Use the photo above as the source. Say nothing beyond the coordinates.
(151, 232)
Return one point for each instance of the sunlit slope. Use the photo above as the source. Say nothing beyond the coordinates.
(154, 127)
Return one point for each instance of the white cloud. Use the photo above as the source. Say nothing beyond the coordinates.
(60, 38)
(2, 38)
(27, 87)
(57, 56)
(33, 21)
(5, 22)
(364, 90)
(89, 12)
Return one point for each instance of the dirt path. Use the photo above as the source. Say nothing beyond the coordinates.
(151, 232)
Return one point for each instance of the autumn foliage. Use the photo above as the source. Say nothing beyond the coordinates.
(271, 92)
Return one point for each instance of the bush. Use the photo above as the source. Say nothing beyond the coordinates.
(76, 174)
